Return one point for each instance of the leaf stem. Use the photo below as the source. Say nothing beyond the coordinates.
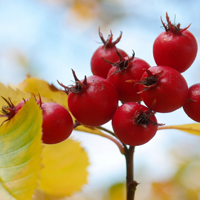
(113, 139)
(106, 130)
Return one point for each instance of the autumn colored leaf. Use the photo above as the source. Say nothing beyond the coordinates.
(88, 129)
(189, 128)
(20, 153)
(65, 169)
(37, 86)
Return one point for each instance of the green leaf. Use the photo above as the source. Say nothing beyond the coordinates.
(20, 152)
(5, 194)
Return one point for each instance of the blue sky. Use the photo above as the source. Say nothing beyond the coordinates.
(54, 43)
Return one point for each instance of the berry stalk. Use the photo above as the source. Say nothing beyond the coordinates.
(131, 184)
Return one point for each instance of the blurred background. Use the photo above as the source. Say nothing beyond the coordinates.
(48, 38)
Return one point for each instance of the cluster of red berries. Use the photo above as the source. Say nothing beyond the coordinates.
(118, 77)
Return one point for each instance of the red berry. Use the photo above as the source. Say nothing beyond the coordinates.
(92, 101)
(192, 105)
(108, 51)
(122, 71)
(57, 123)
(10, 110)
(134, 124)
(176, 47)
(165, 86)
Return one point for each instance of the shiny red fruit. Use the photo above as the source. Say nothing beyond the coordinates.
(134, 124)
(164, 87)
(176, 47)
(57, 123)
(123, 71)
(92, 101)
(192, 105)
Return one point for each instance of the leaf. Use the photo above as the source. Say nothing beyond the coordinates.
(37, 86)
(4, 193)
(189, 128)
(20, 152)
(80, 158)
(40, 195)
(65, 168)
(116, 192)
(88, 129)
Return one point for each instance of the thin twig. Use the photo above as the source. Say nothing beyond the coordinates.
(131, 184)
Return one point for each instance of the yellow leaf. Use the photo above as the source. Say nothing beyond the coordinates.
(20, 152)
(37, 86)
(65, 168)
(116, 192)
(88, 129)
(189, 128)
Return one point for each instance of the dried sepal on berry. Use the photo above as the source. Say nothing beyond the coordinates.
(9, 110)
(122, 63)
(174, 28)
(109, 43)
(78, 87)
